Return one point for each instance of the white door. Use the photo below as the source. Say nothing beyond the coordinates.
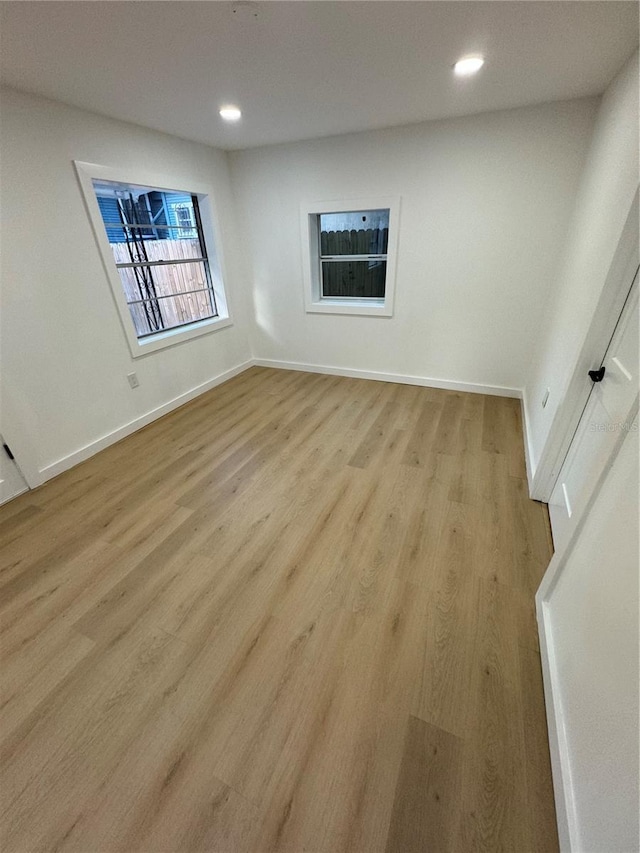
(589, 608)
(12, 483)
(608, 413)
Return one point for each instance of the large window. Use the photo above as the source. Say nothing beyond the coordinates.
(160, 254)
(168, 278)
(349, 257)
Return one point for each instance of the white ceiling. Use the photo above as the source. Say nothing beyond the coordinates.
(307, 69)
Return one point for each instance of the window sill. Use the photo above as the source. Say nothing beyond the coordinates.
(171, 337)
(365, 308)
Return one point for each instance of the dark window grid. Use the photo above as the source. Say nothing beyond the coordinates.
(170, 263)
(153, 227)
(155, 305)
(139, 225)
(185, 324)
(149, 299)
(170, 296)
(141, 264)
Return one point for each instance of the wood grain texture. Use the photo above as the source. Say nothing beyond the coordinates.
(425, 809)
(295, 614)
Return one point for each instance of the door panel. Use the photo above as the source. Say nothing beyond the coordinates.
(12, 483)
(607, 414)
(591, 613)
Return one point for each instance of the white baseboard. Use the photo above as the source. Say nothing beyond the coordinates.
(528, 451)
(447, 384)
(560, 767)
(106, 440)
(16, 495)
(94, 447)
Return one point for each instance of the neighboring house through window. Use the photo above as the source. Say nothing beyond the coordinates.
(184, 214)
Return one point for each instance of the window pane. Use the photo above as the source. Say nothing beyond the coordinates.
(363, 279)
(362, 232)
(155, 315)
(156, 250)
(148, 226)
(119, 233)
(165, 280)
(157, 214)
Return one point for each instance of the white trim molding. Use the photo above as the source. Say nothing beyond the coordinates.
(403, 379)
(314, 302)
(563, 787)
(88, 450)
(558, 748)
(526, 438)
(86, 173)
(14, 496)
(94, 447)
(621, 275)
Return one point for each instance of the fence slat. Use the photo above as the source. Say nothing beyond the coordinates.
(169, 280)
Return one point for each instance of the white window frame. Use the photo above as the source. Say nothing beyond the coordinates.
(86, 173)
(315, 303)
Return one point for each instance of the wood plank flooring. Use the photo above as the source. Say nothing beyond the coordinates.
(294, 615)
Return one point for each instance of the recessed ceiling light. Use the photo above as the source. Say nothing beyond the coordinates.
(230, 113)
(468, 65)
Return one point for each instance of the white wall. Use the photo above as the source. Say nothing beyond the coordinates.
(591, 628)
(606, 192)
(485, 202)
(64, 354)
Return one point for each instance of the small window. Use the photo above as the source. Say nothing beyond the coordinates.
(349, 258)
(353, 254)
(167, 281)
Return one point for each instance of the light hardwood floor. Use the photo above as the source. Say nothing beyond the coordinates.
(296, 615)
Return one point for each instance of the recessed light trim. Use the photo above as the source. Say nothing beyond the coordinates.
(468, 65)
(230, 113)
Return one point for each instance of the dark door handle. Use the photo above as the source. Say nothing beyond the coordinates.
(597, 375)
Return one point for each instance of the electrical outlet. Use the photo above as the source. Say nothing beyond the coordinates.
(133, 380)
(546, 397)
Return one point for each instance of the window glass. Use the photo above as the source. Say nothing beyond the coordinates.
(354, 279)
(361, 232)
(160, 254)
(353, 254)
